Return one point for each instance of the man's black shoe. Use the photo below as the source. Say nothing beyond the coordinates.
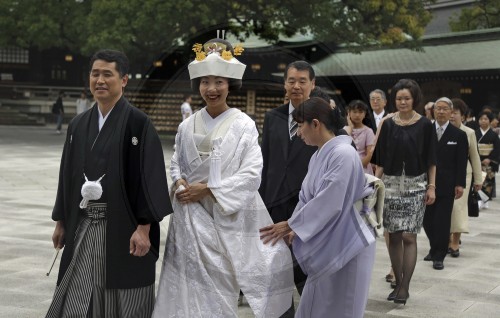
(437, 265)
(428, 258)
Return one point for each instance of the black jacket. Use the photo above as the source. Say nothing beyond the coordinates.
(285, 161)
(452, 152)
(135, 185)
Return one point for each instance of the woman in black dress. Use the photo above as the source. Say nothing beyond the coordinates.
(406, 162)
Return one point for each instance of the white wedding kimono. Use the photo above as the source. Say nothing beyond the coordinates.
(213, 247)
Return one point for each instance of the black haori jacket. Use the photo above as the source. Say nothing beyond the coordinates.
(128, 150)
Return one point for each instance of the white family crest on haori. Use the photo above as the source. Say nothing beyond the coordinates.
(135, 141)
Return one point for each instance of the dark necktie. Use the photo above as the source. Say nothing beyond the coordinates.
(293, 128)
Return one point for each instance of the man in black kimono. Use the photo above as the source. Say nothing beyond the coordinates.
(111, 236)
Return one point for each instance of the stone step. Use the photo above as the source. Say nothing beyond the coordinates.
(20, 121)
(8, 110)
(10, 116)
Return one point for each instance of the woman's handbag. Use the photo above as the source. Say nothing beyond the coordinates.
(473, 203)
(372, 206)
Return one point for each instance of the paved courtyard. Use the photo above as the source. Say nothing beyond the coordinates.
(469, 286)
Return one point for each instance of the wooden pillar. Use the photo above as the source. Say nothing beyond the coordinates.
(251, 102)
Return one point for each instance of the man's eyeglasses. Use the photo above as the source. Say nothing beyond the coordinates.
(442, 109)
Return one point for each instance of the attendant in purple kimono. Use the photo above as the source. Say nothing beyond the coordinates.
(325, 219)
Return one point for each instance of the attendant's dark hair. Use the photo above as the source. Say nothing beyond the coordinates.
(410, 85)
(357, 104)
(318, 108)
(110, 56)
(486, 113)
(300, 66)
(460, 105)
(234, 84)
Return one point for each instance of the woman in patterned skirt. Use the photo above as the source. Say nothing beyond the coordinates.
(406, 159)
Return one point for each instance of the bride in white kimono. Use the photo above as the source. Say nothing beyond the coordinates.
(331, 240)
(213, 248)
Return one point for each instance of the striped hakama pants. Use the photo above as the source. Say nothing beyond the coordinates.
(82, 291)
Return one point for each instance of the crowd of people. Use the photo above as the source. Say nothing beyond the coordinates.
(257, 219)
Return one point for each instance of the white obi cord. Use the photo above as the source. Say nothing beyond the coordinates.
(214, 177)
(91, 190)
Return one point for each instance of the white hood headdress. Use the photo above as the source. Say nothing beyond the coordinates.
(214, 59)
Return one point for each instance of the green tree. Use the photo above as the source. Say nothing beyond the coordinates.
(147, 28)
(484, 14)
(43, 24)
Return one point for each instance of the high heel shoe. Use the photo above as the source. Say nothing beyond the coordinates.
(392, 296)
(401, 300)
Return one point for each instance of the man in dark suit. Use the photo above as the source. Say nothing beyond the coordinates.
(377, 103)
(451, 154)
(286, 156)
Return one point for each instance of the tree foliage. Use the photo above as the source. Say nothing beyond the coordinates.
(484, 14)
(43, 24)
(146, 28)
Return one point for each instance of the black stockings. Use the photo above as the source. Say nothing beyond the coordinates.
(403, 254)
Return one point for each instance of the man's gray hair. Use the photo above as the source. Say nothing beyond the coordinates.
(446, 100)
(379, 91)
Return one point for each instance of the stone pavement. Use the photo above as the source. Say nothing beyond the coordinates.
(469, 286)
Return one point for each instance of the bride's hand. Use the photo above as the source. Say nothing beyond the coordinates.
(194, 193)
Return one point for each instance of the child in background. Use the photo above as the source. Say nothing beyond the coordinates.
(363, 136)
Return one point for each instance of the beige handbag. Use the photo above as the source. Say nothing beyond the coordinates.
(374, 203)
